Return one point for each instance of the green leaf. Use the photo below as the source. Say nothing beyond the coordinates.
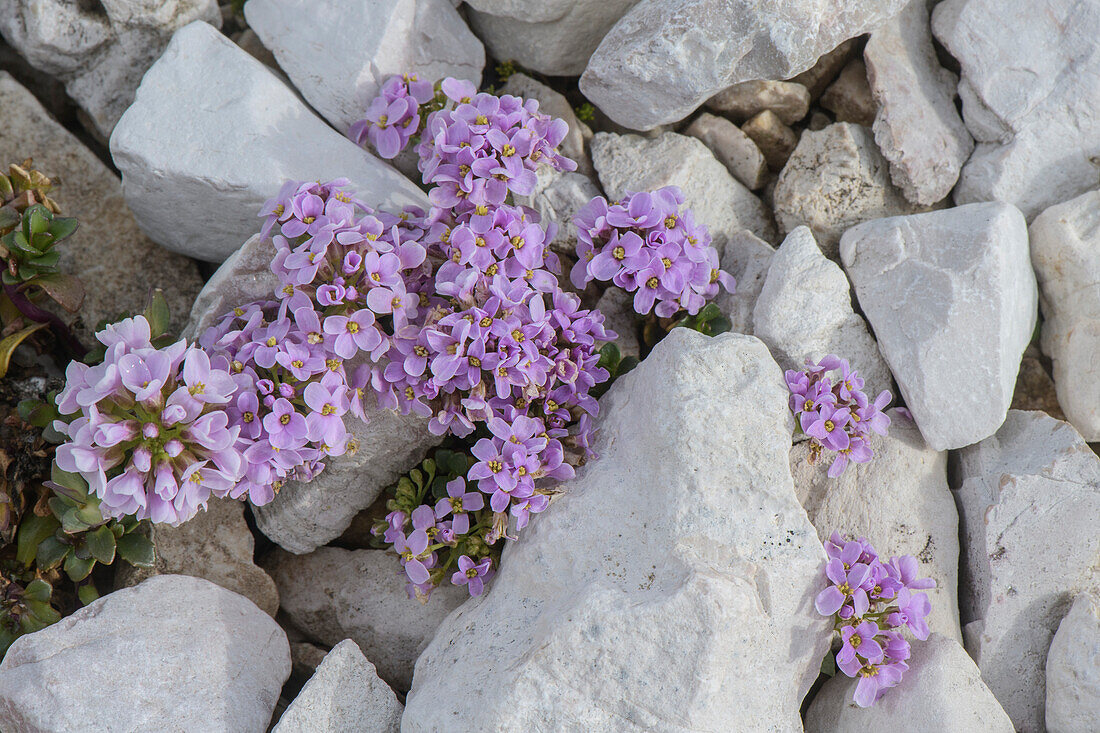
(32, 532)
(68, 484)
(6, 190)
(77, 568)
(87, 593)
(66, 290)
(41, 615)
(157, 314)
(626, 365)
(101, 543)
(137, 549)
(39, 413)
(828, 665)
(45, 261)
(37, 218)
(51, 551)
(38, 590)
(62, 227)
(610, 356)
(8, 216)
(72, 522)
(10, 343)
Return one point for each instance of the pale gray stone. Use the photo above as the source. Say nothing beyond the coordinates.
(175, 653)
(732, 148)
(1065, 250)
(787, 99)
(804, 311)
(1029, 503)
(555, 104)
(550, 38)
(774, 139)
(900, 501)
(215, 544)
(1030, 88)
(364, 43)
(835, 179)
(747, 258)
(617, 307)
(942, 691)
(343, 695)
(849, 97)
(628, 620)
(244, 277)
(335, 594)
(557, 197)
(101, 49)
(819, 76)
(666, 57)
(718, 200)
(951, 297)
(917, 127)
(117, 263)
(213, 134)
(1073, 669)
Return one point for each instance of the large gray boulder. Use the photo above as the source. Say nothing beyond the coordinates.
(671, 582)
(1073, 669)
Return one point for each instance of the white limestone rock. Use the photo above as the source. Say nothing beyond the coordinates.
(1029, 503)
(900, 501)
(333, 594)
(917, 127)
(732, 147)
(951, 297)
(835, 179)
(1030, 88)
(244, 277)
(617, 307)
(1073, 669)
(174, 652)
(747, 258)
(555, 104)
(553, 38)
(787, 99)
(804, 311)
(849, 96)
(339, 53)
(99, 50)
(942, 691)
(1065, 250)
(557, 197)
(344, 694)
(117, 263)
(672, 611)
(212, 134)
(634, 163)
(666, 57)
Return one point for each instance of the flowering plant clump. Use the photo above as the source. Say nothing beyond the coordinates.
(872, 603)
(647, 244)
(837, 416)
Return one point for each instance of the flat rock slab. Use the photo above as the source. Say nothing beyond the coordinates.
(338, 54)
(174, 653)
(213, 134)
(1030, 88)
(952, 299)
(1073, 669)
(667, 57)
(1029, 502)
(1065, 250)
(942, 691)
(117, 263)
(656, 615)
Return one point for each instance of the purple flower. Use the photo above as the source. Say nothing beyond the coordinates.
(847, 588)
(471, 574)
(458, 502)
(415, 555)
(286, 427)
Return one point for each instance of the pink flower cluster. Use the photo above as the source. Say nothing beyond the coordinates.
(648, 245)
(837, 416)
(872, 602)
(151, 436)
(393, 117)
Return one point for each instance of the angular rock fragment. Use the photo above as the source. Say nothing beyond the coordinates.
(212, 134)
(819, 76)
(1065, 250)
(344, 694)
(917, 127)
(99, 49)
(617, 307)
(849, 97)
(835, 179)
(788, 100)
(1030, 88)
(174, 652)
(117, 263)
(364, 44)
(706, 562)
(648, 70)
(951, 297)
(900, 501)
(774, 139)
(335, 594)
(804, 311)
(1073, 669)
(732, 147)
(557, 198)
(942, 691)
(1029, 503)
(634, 163)
(747, 258)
